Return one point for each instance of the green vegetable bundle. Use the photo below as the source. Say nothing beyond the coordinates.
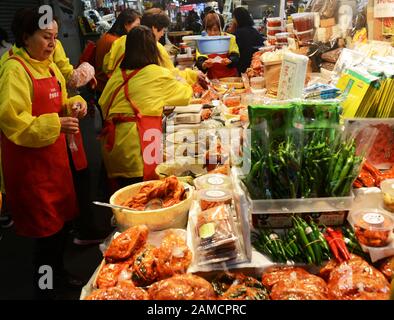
(303, 243)
(306, 157)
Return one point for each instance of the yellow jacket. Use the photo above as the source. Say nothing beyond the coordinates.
(118, 49)
(232, 49)
(58, 56)
(151, 89)
(16, 93)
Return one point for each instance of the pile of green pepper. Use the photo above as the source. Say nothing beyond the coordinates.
(303, 243)
(323, 166)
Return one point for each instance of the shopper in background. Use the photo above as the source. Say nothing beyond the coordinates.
(126, 21)
(132, 103)
(34, 121)
(248, 38)
(227, 67)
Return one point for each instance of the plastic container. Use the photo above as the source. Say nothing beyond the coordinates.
(305, 36)
(387, 187)
(274, 22)
(271, 40)
(172, 217)
(210, 198)
(216, 44)
(257, 83)
(232, 101)
(274, 31)
(373, 227)
(213, 181)
(281, 38)
(303, 21)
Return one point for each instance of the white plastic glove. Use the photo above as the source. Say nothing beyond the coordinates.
(81, 75)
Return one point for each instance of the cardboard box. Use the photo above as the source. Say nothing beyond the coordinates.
(326, 23)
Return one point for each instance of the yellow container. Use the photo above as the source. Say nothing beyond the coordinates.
(173, 217)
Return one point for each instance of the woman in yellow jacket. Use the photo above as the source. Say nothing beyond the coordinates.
(34, 121)
(157, 20)
(213, 24)
(132, 104)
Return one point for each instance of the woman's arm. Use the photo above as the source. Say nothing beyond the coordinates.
(16, 119)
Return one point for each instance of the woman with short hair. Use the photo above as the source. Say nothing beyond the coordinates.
(35, 117)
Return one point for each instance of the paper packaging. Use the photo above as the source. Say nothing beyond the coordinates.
(292, 76)
(326, 23)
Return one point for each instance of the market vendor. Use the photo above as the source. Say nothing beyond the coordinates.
(132, 104)
(158, 21)
(127, 20)
(75, 78)
(227, 67)
(34, 121)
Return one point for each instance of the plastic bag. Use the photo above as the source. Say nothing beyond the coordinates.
(81, 75)
(326, 8)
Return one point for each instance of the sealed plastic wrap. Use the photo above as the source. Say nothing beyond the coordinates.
(292, 76)
(294, 283)
(326, 8)
(213, 181)
(210, 198)
(182, 287)
(355, 279)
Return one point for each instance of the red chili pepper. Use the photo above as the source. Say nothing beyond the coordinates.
(337, 238)
(357, 184)
(333, 247)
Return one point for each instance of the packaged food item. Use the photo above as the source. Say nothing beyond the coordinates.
(274, 31)
(188, 118)
(305, 36)
(303, 21)
(271, 40)
(274, 22)
(387, 187)
(210, 198)
(257, 83)
(216, 240)
(281, 37)
(232, 101)
(373, 227)
(213, 181)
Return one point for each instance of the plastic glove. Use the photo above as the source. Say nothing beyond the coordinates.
(81, 76)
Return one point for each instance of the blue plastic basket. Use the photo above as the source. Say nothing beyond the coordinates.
(215, 44)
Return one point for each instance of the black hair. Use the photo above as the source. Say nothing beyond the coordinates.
(26, 22)
(243, 17)
(154, 18)
(3, 36)
(141, 49)
(125, 17)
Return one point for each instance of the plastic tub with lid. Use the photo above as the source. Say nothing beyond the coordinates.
(274, 22)
(213, 181)
(373, 227)
(281, 37)
(305, 36)
(214, 44)
(303, 21)
(210, 198)
(274, 31)
(387, 187)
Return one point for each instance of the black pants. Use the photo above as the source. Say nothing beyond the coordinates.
(48, 262)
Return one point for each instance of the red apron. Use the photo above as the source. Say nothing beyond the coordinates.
(218, 71)
(144, 123)
(38, 181)
(78, 154)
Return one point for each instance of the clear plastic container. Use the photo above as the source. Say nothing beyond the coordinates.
(373, 227)
(281, 37)
(274, 31)
(213, 181)
(210, 198)
(387, 187)
(257, 83)
(305, 36)
(274, 22)
(303, 21)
